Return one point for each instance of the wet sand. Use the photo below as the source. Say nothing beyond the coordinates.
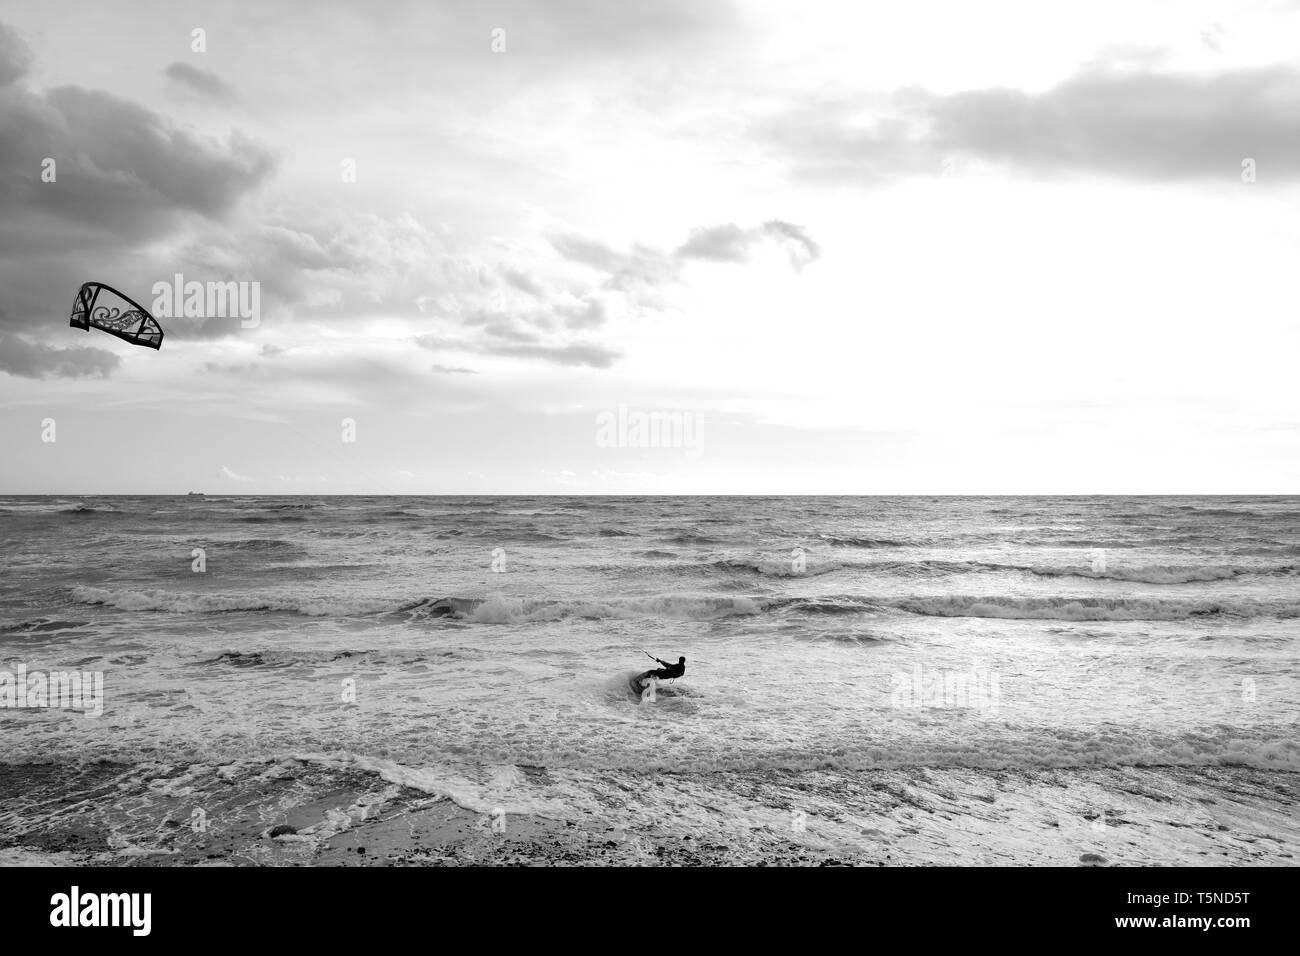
(294, 813)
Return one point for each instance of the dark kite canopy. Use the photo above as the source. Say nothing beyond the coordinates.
(102, 307)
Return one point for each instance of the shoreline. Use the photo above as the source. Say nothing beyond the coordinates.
(292, 813)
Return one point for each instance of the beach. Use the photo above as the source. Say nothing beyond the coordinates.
(443, 681)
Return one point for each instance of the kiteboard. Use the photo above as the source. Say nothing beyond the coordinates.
(637, 684)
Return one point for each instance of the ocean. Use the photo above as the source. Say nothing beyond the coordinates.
(951, 680)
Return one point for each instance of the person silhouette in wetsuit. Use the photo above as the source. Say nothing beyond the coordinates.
(668, 671)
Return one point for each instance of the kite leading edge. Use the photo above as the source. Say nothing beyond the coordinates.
(128, 321)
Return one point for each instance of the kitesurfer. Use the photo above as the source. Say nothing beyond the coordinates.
(668, 671)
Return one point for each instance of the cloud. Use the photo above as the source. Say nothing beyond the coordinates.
(586, 313)
(726, 243)
(589, 252)
(35, 360)
(522, 281)
(1134, 125)
(452, 370)
(204, 83)
(641, 269)
(730, 243)
(566, 27)
(143, 197)
(1108, 119)
(1212, 37)
(15, 55)
(125, 180)
(520, 346)
(593, 356)
(121, 168)
(559, 36)
(226, 473)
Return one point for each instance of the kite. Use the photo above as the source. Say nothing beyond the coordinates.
(97, 307)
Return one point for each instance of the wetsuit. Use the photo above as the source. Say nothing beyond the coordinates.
(668, 671)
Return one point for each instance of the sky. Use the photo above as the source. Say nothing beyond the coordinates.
(829, 248)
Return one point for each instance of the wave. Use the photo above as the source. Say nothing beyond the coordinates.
(690, 537)
(1141, 574)
(429, 767)
(690, 607)
(502, 536)
(844, 604)
(779, 567)
(287, 658)
(257, 545)
(1028, 750)
(854, 541)
(415, 511)
(1267, 549)
(1091, 608)
(1239, 513)
(1036, 608)
(57, 508)
(40, 625)
(504, 610)
(1166, 574)
(784, 566)
(182, 603)
(490, 610)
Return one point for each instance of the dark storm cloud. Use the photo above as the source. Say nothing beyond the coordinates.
(120, 165)
(203, 82)
(123, 177)
(33, 360)
(1127, 123)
